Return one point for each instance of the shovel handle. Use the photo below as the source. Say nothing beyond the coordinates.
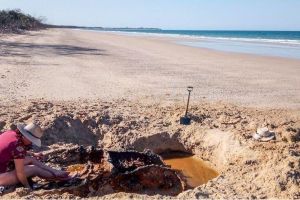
(189, 88)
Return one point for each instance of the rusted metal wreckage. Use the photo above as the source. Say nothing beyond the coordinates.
(103, 172)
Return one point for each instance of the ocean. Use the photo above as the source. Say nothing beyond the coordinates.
(267, 43)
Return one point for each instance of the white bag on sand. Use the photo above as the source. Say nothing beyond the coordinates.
(264, 135)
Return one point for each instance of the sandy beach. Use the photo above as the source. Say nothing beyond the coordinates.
(128, 92)
(62, 64)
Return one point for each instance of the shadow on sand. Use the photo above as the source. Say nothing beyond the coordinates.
(29, 49)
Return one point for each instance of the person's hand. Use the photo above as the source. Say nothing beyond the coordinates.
(38, 156)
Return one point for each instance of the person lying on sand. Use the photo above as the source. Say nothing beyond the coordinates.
(13, 151)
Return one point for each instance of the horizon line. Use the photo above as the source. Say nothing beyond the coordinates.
(171, 29)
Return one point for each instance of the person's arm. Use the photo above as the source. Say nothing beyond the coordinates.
(38, 156)
(54, 172)
(19, 165)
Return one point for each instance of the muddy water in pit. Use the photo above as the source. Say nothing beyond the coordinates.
(195, 170)
(77, 168)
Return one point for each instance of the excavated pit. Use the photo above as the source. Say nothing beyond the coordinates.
(221, 133)
(101, 172)
(194, 171)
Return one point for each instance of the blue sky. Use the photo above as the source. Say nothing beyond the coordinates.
(167, 14)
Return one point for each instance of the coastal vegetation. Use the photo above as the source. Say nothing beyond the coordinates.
(15, 21)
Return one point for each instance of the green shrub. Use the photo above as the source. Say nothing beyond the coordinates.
(14, 21)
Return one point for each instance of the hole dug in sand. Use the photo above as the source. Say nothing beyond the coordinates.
(103, 172)
(193, 170)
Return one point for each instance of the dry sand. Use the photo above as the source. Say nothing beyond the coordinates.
(69, 64)
(125, 92)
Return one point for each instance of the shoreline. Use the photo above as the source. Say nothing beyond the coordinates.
(282, 48)
(174, 34)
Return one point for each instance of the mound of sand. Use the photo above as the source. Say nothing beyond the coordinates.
(220, 133)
